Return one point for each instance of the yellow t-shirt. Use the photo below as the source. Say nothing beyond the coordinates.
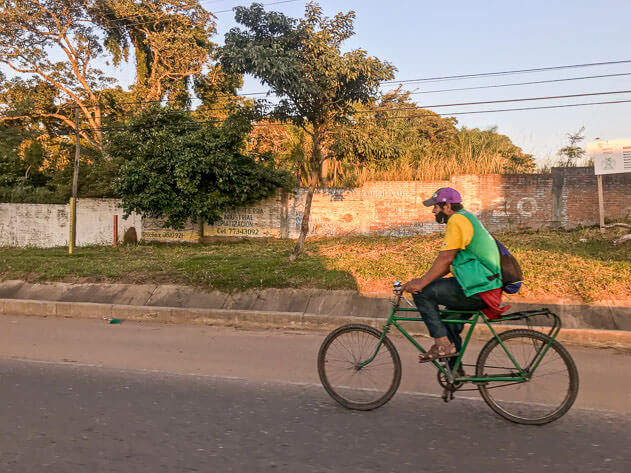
(458, 233)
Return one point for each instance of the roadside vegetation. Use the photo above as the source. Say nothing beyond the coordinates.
(579, 265)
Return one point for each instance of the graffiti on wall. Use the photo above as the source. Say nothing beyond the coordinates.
(527, 206)
(245, 222)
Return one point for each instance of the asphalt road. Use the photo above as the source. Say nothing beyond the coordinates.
(84, 396)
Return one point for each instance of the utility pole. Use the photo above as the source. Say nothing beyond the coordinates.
(75, 178)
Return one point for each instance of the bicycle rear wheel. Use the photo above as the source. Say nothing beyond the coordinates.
(546, 395)
(354, 386)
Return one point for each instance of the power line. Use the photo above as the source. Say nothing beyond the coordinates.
(610, 102)
(407, 117)
(417, 107)
(519, 83)
(247, 94)
(551, 97)
(567, 105)
(480, 87)
(542, 107)
(196, 124)
(484, 102)
(501, 73)
(414, 107)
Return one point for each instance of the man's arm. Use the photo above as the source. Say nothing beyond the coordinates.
(440, 267)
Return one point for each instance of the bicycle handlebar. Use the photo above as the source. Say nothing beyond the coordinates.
(397, 288)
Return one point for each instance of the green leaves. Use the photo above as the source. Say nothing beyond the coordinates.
(301, 61)
(394, 139)
(171, 40)
(178, 168)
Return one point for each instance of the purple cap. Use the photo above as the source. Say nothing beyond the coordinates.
(444, 194)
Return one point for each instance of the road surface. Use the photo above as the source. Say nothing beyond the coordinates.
(87, 396)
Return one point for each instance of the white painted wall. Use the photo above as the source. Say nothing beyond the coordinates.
(41, 225)
(95, 222)
(47, 225)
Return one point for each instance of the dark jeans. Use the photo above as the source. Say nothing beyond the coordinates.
(446, 292)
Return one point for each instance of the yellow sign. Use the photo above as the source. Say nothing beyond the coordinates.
(170, 235)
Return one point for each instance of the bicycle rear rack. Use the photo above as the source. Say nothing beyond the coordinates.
(527, 314)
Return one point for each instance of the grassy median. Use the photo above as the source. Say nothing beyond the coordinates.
(580, 264)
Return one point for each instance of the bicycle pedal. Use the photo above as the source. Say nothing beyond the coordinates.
(448, 394)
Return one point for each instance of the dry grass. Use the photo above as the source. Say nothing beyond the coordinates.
(579, 265)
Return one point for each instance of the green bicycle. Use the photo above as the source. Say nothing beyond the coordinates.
(524, 375)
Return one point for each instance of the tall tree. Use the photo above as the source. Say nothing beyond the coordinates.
(59, 41)
(171, 41)
(302, 62)
(32, 32)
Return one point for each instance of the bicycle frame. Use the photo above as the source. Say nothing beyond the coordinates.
(475, 315)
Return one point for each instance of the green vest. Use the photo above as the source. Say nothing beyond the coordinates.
(477, 267)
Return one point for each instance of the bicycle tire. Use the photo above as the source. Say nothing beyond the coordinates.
(509, 399)
(345, 348)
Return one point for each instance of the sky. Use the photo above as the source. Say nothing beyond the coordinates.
(429, 39)
(435, 39)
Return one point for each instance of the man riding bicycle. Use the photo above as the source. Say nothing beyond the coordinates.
(471, 253)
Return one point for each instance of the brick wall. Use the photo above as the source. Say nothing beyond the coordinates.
(579, 189)
(506, 202)
(565, 198)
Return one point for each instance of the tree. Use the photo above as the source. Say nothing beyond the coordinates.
(31, 32)
(394, 139)
(489, 152)
(171, 41)
(286, 144)
(390, 133)
(176, 167)
(42, 148)
(571, 154)
(301, 61)
(170, 37)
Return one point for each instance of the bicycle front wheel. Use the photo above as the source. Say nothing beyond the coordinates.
(349, 374)
(551, 387)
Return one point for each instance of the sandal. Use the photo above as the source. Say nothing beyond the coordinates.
(438, 351)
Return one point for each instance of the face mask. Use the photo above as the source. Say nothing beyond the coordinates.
(441, 217)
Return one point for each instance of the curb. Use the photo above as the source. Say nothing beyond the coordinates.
(267, 319)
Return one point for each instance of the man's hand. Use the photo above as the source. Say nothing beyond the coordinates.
(413, 285)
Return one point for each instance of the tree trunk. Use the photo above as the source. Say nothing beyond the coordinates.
(304, 229)
(316, 166)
